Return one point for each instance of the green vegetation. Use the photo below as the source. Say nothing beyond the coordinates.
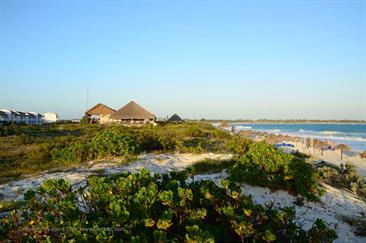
(143, 208)
(211, 166)
(267, 166)
(344, 177)
(46, 147)
(29, 149)
(6, 206)
(238, 145)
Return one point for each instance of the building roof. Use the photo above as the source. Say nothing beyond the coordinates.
(132, 111)
(100, 109)
(22, 113)
(175, 118)
(14, 112)
(5, 110)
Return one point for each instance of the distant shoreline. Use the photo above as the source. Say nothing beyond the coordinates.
(288, 122)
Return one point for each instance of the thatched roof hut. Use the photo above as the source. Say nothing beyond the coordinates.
(363, 154)
(343, 147)
(99, 109)
(175, 118)
(132, 111)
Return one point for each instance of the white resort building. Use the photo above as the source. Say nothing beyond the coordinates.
(50, 117)
(20, 117)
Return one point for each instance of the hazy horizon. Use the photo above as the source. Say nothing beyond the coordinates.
(199, 59)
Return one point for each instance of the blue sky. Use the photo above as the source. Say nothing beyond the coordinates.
(210, 59)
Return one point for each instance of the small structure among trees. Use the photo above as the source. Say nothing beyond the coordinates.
(175, 118)
(99, 113)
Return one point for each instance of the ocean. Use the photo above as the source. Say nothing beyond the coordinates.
(353, 135)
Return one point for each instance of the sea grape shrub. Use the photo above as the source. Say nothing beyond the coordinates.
(107, 142)
(345, 176)
(112, 142)
(197, 131)
(211, 166)
(264, 165)
(148, 139)
(152, 138)
(304, 180)
(220, 134)
(193, 145)
(238, 145)
(144, 207)
(73, 152)
(185, 138)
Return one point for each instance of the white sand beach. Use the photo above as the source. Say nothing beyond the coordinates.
(335, 157)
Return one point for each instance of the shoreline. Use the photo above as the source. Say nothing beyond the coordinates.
(311, 148)
(284, 122)
(336, 133)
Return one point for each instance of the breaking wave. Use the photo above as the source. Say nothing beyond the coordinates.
(243, 127)
(274, 130)
(331, 132)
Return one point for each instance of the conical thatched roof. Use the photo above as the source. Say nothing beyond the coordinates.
(175, 118)
(363, 154)
(132, 111)
(343, 147)
(100, 109)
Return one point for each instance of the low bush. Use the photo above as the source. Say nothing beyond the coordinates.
(194, 145)
(7, 206)
(112, 142)
(238, 145)
(148, 139)
(73, 152)
(195, 130)
(221, 134)
(346, 177)
(9, 130)
(211, 166)
(264, 165)
(143, 208)
(108, 142)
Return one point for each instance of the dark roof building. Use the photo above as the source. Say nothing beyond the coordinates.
(175, 118)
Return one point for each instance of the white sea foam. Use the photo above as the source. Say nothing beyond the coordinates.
(331, 132)
(273, 130)
(346, 138)
(333, 135)
(321, 135)
(243, 127)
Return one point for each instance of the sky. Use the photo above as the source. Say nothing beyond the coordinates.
(201, 59)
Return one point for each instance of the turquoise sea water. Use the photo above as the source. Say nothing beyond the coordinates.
(353, 135)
